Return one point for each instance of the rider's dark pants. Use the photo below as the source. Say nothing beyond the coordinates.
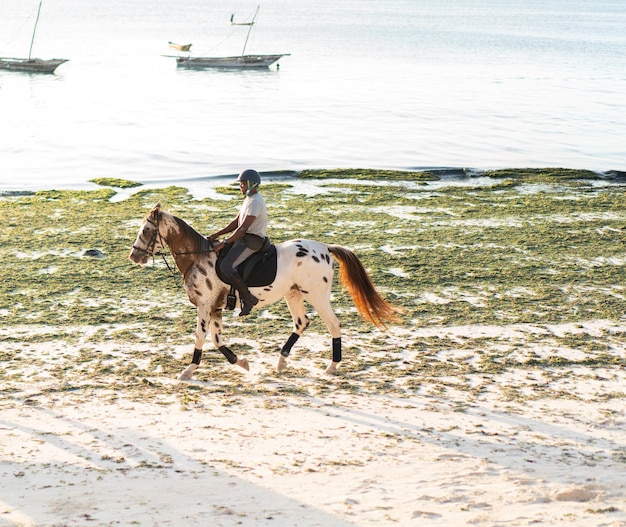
(236, 254)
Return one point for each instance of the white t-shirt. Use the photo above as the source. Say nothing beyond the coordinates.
(254, 205)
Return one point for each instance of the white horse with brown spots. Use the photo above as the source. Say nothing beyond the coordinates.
(304, 272)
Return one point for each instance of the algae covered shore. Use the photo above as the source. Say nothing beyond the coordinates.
(511, 247)
(499, 397)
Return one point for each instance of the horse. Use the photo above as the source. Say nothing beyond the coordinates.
(305, 271)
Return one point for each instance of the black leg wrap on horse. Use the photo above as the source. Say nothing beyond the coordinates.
(337, 349)
(232, 358)
(289, 344)
(197, 355)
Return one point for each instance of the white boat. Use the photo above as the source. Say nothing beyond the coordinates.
(31, 65)
(236, 61)
(180, 47)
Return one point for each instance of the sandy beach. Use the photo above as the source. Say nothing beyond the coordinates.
(495, 421)
(443, 457)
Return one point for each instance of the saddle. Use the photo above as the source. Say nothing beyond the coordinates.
(258, 270)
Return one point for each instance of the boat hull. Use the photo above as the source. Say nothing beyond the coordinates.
(180, 47)
(31, 65)
(241, 61)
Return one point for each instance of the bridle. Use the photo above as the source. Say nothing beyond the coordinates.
(149, 250)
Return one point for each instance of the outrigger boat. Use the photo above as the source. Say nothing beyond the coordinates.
(241, 61)
(236, 61)
(31, 65)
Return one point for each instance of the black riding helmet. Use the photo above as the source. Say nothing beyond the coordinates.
(250, 175)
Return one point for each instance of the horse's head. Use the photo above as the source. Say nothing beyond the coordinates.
(150, 240)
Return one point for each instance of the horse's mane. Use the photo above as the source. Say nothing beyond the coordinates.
(186, 230)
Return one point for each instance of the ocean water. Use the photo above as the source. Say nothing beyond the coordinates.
(403, 84)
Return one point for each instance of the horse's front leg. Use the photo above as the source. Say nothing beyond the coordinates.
(201, 331)
(216, 336)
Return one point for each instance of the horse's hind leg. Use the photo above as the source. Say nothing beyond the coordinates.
(325, 311)
(300, 323)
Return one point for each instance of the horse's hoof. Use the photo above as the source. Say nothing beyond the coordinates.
(282, 363)
(332, 368)
(187, 375)
(244, 364)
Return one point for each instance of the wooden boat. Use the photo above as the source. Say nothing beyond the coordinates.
(180, 47)
(31, 65)
(237, 61)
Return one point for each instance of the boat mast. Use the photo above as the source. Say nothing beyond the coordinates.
(249, 24)
(32, 40)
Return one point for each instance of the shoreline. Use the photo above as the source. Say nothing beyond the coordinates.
(196, 182)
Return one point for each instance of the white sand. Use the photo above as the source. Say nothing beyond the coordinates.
(71, 455)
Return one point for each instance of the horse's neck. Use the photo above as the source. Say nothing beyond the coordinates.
(185, 243)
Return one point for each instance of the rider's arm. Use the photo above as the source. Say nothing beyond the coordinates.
(229, 228)
(241, 230)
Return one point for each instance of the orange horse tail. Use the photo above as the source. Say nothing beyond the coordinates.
(370, 305)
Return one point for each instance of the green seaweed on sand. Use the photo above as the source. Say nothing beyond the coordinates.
(369, 174)
(545, 175)
(115, 182)
(539, 248)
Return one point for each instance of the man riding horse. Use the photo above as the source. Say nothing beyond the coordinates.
(248, 236)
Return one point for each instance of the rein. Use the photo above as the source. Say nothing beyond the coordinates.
(164, 256)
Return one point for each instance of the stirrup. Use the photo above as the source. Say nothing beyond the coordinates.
(231, 301)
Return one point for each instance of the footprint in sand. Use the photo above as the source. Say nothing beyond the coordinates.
(577, 494)
(424, 514)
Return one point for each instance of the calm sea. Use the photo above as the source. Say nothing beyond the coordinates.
(369, 83)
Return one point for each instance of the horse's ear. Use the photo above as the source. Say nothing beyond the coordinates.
(155, 211)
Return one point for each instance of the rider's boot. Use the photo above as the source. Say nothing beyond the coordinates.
(248, 300)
